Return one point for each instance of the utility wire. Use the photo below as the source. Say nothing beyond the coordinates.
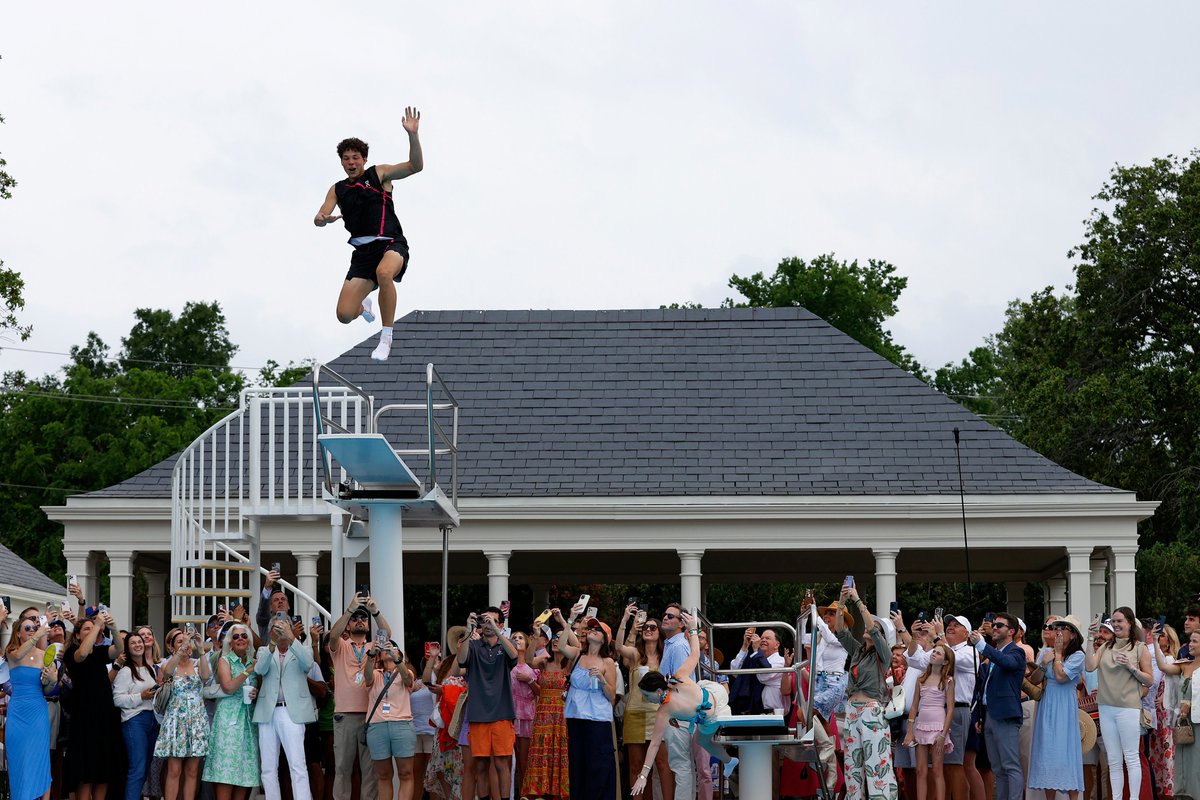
(141, 360)
(140, 402)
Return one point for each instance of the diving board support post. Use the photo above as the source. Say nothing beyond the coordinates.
(754, 770)
(387, 564)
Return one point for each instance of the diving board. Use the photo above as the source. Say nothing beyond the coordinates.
(372, 462)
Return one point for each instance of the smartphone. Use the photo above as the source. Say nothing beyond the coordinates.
(66, 606)
(920, 616)
(297, 619)
(939, 612)
(989, 616)
(1162, 620)
(221, 610)
(278, 615)
(849, 581)
(43, 620)
(316, 621)
(640, 618)
(893, 606)
(364, 590)
(752, 630)
(430, 648)
(592, 611)
(584, 599)
(103, 609)
(234, 604)
(541, 618)
(808, 594)
(7, 601)
(633, 601)
(381, 637)
(72, 580)
(505, 607)
(276, 567)
(189, 629)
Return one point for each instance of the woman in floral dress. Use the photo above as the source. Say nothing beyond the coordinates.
(546, 775)
(232, 763)
(183, 737)
(1162, 738)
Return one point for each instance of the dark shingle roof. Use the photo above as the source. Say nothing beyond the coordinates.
(680, 402)
(15, 571)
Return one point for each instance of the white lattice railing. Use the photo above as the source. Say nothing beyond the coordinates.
(262, 459)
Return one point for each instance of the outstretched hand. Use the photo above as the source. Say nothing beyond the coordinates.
(412, 119)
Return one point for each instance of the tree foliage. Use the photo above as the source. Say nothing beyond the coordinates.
(1104, 378)
(105, 419)
(857, 300)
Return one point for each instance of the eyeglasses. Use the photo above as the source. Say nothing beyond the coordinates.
(240, 636)
(669, 615)
(28, 628)
(649, 628)
(999, 624)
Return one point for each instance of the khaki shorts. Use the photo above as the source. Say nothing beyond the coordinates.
(492, 738)
(425, 742)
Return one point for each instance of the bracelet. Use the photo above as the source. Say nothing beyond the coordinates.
(375, 613)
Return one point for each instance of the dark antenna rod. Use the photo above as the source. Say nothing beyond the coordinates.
(962, 504)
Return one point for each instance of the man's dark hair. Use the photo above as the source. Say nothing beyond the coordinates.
(1192, 611)
(674, 605)
(493, 610)
(353, 143)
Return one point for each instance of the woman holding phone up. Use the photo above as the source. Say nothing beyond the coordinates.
(1187, 758)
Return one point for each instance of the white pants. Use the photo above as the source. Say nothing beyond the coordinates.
(282, 731)
(1122, 732)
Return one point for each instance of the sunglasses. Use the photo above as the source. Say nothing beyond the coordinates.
(28, 628)
(999, 624)
(649, 627)
(669, 615)
(240, 636)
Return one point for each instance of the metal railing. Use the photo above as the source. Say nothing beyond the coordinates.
(295, 590)
(437, 434)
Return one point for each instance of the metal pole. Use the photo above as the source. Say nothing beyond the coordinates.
(445, 584)
(962, 504)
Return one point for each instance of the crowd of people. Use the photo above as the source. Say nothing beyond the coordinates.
(566, 709)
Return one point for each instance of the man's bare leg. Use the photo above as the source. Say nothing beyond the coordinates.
(389, 267)
(350, 301)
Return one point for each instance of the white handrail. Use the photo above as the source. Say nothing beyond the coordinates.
(296, 590)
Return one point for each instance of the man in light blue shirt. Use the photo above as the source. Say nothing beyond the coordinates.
(679, 742)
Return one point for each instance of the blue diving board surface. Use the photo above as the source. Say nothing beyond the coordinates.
(370, 461)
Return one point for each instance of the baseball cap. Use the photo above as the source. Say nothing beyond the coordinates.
(1021, 622)
(360, 612)
(961, 620)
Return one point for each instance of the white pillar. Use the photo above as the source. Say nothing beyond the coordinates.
(1056, 596)
(1124, 588)
(690, 579)
(497, 576)
(387, 564)
(1016, 599)
(337, 587)
(255, 581)
(1099, 585)
(306, 581)
(885, 581)
(156, 602)
(1079, 583)
(81, 564)
(120, 587)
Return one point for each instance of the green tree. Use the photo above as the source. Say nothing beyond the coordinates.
(857, 300)
(106, 419)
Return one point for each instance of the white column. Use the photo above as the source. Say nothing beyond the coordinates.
(337, 587)
(81, 564)
(1016, 598)
(1079, 583)
(387, 564)
(885, 581)
(120, 587)
(1099, 584)
(156, 601)
(255, 581)
(497, 575)
(1124, 589)
(690, 579)
(1056, 596)
(306, 581)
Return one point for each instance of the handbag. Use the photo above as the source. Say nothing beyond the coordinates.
(362, 732)
(895, 707)
(1184, 732)
(456, 719)
(162, 700)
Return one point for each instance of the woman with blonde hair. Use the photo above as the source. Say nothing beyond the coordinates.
(930, 718)
(1162, 738)
(28, 726)
(232, 765)
(1187, 759)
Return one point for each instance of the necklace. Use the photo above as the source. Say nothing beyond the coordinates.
(359, 653)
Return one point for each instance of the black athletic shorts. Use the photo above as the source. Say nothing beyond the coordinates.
(366, 258)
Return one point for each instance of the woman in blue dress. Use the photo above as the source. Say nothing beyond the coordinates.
(27, 732)
(1056, 759)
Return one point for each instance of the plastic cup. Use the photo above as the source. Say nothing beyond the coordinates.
(247, 689)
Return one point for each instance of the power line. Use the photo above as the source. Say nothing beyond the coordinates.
(142, 402)
(140, 360)
(63, 489)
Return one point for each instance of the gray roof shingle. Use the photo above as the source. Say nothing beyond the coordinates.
(687, 402)
(15, 571)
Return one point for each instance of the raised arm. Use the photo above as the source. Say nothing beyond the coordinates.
(688, 667)
(325, 214)
(416, 162)
(568, 642)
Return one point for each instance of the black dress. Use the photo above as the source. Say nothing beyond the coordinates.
(95, 748)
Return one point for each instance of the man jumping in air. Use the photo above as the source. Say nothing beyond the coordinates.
(380, 249)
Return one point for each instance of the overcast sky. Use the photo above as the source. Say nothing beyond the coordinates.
(578, 155)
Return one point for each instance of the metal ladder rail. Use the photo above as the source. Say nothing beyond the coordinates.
(449, 442)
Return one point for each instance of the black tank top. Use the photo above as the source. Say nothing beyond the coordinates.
(367, 210)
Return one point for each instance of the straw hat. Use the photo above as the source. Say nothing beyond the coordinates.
(1073, 621)
(834, 606)
(454, 637)
(1087, 731)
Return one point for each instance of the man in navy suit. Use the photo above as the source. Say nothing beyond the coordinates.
(1002, 698)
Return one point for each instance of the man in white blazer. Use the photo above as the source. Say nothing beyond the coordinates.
(284, 706)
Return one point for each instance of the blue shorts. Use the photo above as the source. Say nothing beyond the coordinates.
(395, 739)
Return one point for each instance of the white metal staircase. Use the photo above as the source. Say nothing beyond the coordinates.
(261, 460)
(265, 460)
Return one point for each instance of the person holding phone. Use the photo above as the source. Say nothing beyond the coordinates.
(589, 712)
(488, 660)
(830, 657)
(28, 720)
(640, 659)
(1056, 758)
(1162, 739)
(184, 735)
(283, 706)
(94, 748)
(524, 682)
(350, 695)
(547, 775)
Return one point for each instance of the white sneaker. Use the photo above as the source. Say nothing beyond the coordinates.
(382, 350)
(368, 312)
